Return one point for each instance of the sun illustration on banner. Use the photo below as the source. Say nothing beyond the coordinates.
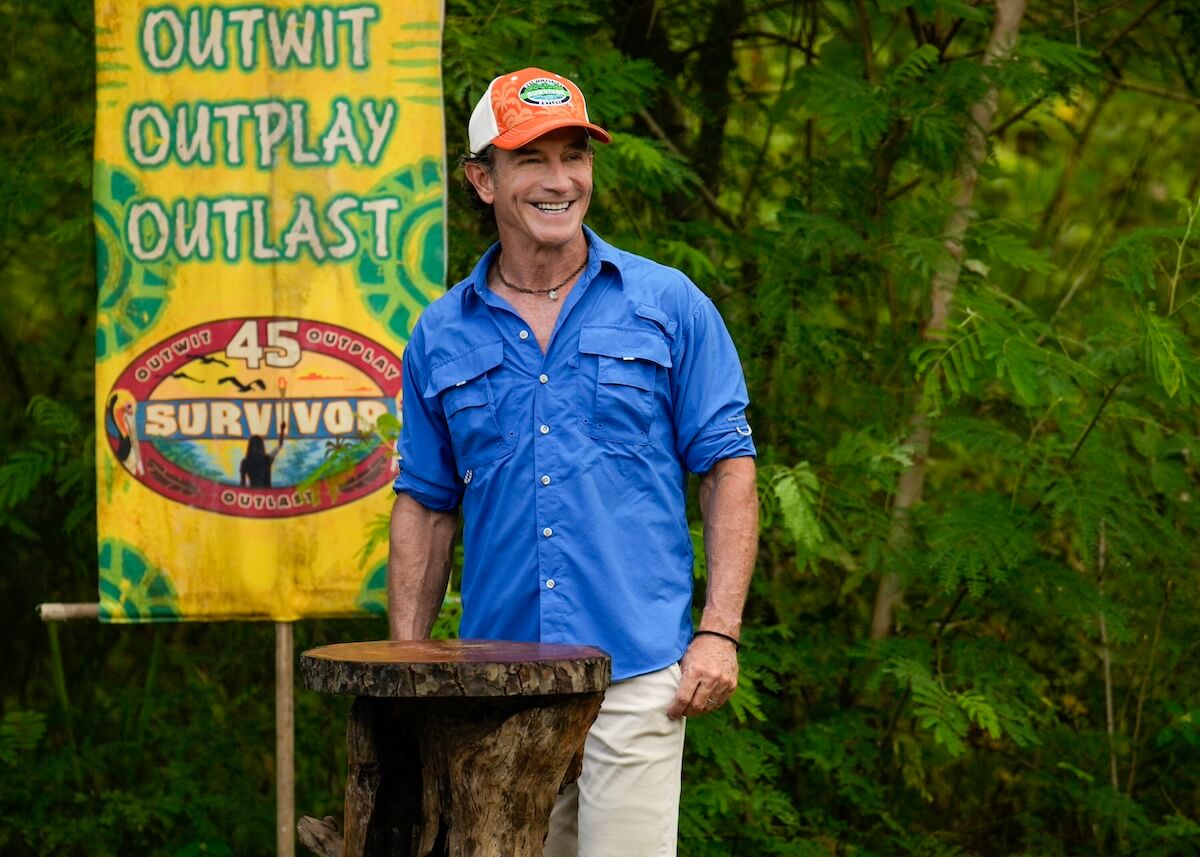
(131, 588)
(132, 295)
(240, 416)
(372, 597)
(395, 291)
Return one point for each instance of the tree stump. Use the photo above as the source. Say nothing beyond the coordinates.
(457, 748)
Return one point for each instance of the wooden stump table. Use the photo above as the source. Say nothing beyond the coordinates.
(457, 748)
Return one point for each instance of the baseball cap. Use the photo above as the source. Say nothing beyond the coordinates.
(522, 105)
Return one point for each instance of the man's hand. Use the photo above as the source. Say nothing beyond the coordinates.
(710, 675)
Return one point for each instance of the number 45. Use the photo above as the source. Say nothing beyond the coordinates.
(281, 351)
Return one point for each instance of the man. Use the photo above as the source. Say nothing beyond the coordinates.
(559, 395)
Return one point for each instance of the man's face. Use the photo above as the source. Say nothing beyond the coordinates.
(541, 191)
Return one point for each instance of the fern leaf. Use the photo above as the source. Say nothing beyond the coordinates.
(822, 234)
(1058, 56)
(23, 471)
(1130, 261)
(848, 107)
(936, 709)
(53, 417)
(1020, 369)
(946, 360)
(980, 712)
(20, 731)
(797, 491)
(1009, 245)
(1165, 353)
(977, 541)
(936, 138)
(915, 65)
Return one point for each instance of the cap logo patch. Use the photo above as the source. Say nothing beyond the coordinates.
(544, 92)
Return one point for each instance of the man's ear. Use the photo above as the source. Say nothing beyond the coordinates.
(481, 179)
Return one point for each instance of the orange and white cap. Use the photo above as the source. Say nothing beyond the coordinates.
(523, 105)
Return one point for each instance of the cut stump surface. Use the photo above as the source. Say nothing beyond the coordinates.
(457, 748)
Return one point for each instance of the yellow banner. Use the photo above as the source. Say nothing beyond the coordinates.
(269, 195)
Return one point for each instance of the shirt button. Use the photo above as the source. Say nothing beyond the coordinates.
(543, 378)
(545, 429)
(547, 532)
(545, 480)
(524, 334)
(550, 583)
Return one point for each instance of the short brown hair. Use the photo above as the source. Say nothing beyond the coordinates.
(486, 213)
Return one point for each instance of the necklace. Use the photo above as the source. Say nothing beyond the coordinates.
(551, 292)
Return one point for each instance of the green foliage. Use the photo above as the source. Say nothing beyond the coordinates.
(343, 456)
(1049, 561)
(54, 457)
(20, 733)
(1009, 245)
(948, 364)
(1166, 354)
(850, 109)
(795, 499)
(938, 710)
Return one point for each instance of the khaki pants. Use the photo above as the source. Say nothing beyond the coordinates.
(626, 801)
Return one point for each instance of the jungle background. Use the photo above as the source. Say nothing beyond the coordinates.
(955, 243)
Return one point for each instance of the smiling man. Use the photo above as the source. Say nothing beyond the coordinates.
(558, 396)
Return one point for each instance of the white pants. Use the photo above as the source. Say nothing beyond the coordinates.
(626, 801)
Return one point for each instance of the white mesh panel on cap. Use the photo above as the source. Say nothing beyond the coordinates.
(582, 103)
(482, 128)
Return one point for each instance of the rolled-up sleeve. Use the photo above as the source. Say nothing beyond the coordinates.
(427, 472)
(710, 396)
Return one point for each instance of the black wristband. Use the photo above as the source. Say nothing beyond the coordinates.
(736, 643)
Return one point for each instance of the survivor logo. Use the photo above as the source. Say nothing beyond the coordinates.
(248, 416)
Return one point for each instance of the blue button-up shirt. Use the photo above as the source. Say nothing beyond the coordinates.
(570, 466)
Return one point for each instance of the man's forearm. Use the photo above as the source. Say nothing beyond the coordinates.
(729, 504)
(420, 541)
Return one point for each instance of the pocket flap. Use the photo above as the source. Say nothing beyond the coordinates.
(625, 343)
(461, 368)
(470, 395)
(657, 316)
(627, 372)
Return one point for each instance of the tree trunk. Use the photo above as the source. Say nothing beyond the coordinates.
(640, 31)
(890, 593)
(715, 69)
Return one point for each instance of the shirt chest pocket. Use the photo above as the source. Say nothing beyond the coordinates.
(464, 389)
(630, 370)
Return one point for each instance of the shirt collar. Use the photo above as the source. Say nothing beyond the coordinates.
(599, 253)
(480, 272)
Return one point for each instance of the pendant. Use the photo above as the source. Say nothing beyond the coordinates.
(552, 294)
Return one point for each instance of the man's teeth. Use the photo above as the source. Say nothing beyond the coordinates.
(551, 206)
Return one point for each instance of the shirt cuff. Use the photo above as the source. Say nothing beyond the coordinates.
(727, 442)
(431, 496)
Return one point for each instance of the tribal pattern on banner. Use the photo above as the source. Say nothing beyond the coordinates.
(269, 208)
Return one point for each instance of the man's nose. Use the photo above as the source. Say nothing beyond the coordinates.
(556, 177)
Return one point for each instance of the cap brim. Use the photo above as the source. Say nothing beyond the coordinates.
(516, 137)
